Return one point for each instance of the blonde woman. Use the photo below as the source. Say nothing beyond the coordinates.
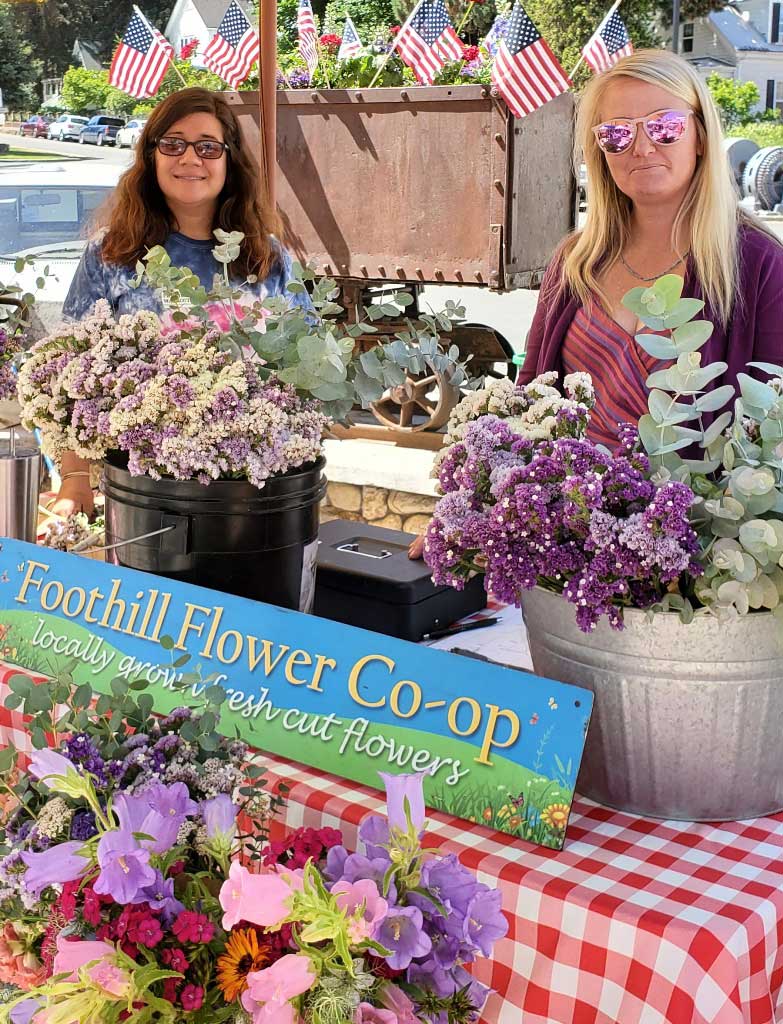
(661, 201)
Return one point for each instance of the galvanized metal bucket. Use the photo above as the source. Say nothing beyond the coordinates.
(687, 721)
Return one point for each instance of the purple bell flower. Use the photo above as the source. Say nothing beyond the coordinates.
(220, 815)
(23, 1012)
(125, 866)
(485, 921)
(405, 796)
(374, 833)
(62, 863)
(46, 763)
(160, 896)
(403, 933)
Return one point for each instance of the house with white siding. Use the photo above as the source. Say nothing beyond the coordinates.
(198, 19)
(743, 41)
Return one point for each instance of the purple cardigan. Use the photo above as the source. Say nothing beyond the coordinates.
(754, 331)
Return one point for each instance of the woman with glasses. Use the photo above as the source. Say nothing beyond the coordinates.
(661, 201)
(191, 174)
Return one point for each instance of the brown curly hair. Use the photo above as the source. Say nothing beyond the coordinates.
(137, 216)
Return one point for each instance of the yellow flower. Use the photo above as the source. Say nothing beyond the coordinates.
(243, 954)
(487, 814)
(505, 811)
(556, 816)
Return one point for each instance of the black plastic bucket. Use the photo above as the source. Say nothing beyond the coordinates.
(227, 535)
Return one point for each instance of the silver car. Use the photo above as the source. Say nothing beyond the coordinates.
(67, 126)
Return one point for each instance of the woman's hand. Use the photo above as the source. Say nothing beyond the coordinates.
(75, 495)
(416, 548)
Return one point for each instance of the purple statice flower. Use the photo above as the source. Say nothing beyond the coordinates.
(402, 931)
(124, 866)
(168, 743)
(83, 825)
(138, 739)
(299, 78)
(81, 750)
(56, 866)
(176, 717)
(179, 390)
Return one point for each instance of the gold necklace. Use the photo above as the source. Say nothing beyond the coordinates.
(680, 259)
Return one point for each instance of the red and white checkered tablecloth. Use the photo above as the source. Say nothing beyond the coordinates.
(636, 921)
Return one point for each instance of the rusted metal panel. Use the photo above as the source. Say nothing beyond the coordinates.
(542, 194)
(418, 184)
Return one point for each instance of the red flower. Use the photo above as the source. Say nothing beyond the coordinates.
(176, 868)
(67, 900)
(395, 29)
(145, 931)
(193, 927)
(188, 49)
(175, 959)
(330, 837)
(170, 989)
(191, 997)
(330, 42)
(470, 53)
(91, 908)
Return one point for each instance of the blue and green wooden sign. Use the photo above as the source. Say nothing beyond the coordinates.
(500, 746)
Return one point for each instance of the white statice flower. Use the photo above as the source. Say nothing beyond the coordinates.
(54, 818)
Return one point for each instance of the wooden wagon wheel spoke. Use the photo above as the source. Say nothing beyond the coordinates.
(425, 403)
(419, 403)
(406, 413)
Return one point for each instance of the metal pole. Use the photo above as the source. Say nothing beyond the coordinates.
(676, 26)
(267, 87)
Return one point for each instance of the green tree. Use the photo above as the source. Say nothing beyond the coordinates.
(734, 99)
(19, 73)
(84, 91)
(689, 9)
(369, 16)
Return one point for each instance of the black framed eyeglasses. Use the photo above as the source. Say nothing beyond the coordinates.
(206, 149)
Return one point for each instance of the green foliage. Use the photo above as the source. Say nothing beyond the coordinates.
(734, 99)
(567, 26)
(738, 480)
(763, 133)
(19, 72)
(369, 16)
(315, 351)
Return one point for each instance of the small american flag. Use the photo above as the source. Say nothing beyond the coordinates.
(428, 40)
(308, 41)
(526, 73)
(607, 44)
(234, 48)
(141, 59)
(351, 46)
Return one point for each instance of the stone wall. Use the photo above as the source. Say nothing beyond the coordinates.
(396, 510)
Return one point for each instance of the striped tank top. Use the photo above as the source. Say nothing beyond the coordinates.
(598, 345)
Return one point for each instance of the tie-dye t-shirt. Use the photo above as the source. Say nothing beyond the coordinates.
(95, 279)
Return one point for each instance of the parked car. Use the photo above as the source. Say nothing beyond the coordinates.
(129, 135)
(37, 126)
(45, 212)
(101, 129)
(66, 126)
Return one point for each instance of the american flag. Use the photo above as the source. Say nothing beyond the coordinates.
(308, 40)
(526, 73)
(607, 44)
(351, 46)
(428, 40)
(234, 48)
(141, 59)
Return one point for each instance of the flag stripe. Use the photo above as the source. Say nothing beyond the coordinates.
(234, 48)
(141, 59)
(608, 44)
(428, 40)
(525, 71)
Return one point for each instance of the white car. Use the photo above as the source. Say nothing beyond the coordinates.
(129, 135)
(45, 213)
(67, 126)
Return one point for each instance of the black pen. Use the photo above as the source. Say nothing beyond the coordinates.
(441, 634)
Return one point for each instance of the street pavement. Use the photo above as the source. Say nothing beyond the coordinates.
(69, 149)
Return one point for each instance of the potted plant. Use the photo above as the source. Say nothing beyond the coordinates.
(652, 574)
(209, 419)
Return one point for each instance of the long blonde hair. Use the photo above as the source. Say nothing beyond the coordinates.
(709, 214)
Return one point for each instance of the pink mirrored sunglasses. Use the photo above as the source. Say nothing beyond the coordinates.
(664, 128)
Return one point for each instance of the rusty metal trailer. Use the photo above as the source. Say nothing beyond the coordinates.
(416, 186)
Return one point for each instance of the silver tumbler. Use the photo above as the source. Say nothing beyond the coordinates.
(20, 479)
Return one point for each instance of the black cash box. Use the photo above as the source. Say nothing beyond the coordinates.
(366, 579)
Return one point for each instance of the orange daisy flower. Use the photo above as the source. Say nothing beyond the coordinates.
(556, 816)
(243, 954)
